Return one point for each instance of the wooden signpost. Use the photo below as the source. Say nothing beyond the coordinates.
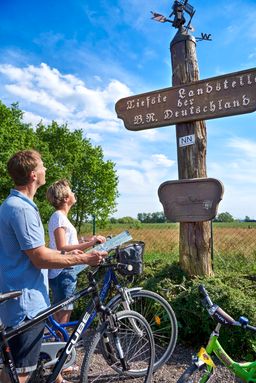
(226, 95)
(187, 104)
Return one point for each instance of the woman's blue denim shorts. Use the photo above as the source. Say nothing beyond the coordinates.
(63, 286)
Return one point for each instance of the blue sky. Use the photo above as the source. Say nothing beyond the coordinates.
(71, 60)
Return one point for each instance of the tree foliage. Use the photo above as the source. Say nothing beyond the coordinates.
(124, 220)
(66, 154)
(14, 136)
(225, 217)
(157, 217)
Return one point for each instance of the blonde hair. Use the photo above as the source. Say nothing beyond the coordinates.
(57, 193)
(21, 164)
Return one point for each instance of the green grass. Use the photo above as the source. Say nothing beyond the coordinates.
(235, 225)
(232, 286)
(88, 228)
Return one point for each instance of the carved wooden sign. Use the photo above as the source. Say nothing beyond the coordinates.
(191, 200)
(226, 95)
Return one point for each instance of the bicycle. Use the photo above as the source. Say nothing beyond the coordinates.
(156, 310)
(123, 344)
(203, 366)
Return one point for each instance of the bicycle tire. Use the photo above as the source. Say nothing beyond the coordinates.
(161, 318)
(100, 366)
(194, 374)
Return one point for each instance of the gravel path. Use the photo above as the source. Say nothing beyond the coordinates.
(171, 371)
(179, 361)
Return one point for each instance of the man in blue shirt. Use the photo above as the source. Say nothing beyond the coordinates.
(25, 260)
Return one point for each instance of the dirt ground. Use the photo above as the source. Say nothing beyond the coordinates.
(171, 371)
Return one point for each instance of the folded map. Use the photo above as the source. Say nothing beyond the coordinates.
(110, 244)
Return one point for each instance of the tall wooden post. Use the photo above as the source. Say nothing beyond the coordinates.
(195, 237)
(187, 105)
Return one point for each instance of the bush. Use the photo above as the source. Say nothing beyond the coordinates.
(234, 294)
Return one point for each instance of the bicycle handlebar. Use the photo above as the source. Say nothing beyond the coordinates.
(220, 315)
(106, 262)
(204, 293)
(11, 294)
(252, 328)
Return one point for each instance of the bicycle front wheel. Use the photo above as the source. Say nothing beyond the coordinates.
(126, 355)
(161, 318)
(194, 374)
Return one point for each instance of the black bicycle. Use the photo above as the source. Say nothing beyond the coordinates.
(121, 350)
(115, 295)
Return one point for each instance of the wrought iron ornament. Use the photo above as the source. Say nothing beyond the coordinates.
(177, 18)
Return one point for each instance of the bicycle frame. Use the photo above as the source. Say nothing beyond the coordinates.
(83, 323)
(110, 279)
(245, 370)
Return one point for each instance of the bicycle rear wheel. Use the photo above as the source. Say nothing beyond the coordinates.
(161, 318)
(194, 374)
(134, 338)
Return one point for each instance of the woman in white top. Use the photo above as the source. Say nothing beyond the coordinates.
(63, 236)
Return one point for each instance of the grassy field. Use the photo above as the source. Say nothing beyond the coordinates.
(234, 244)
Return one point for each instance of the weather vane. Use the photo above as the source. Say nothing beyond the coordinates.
(179, 21)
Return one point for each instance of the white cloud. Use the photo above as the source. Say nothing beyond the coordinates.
(15, 74)
(138, 188)
(247, 147)
(162, 160)
(165, 134)
(100, 127)
(126, 149)
(132, 182)
(238, 200)
(64, 96)
(40, 98)
(34, 119)
(116, 90)
(45, 94)
(237, 172)
(95, 137)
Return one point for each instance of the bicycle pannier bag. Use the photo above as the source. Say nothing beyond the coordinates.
(132, 254)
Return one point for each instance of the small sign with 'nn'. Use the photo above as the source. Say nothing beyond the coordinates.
(186, 140)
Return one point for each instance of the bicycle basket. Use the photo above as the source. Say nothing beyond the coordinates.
(131, 254)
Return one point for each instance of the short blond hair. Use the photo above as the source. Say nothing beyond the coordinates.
(57, 192)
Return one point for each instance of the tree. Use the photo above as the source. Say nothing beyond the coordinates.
(157, 217)
(128, 220)
(93, 180)
(225, 217)
(14, 136)
(66, 154)
(95, 183)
